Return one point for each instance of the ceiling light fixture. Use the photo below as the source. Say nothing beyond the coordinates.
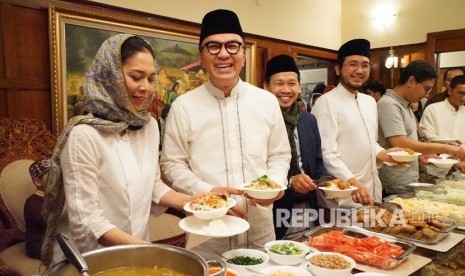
(392, 59)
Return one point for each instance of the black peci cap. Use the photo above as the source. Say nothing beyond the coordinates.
(281, 63)
(220, 22)
(359, 47)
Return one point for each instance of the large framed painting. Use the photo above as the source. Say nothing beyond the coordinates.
(77, 31)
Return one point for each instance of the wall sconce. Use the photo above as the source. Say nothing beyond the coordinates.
(391, 60)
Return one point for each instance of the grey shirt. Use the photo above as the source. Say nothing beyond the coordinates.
(395, 118)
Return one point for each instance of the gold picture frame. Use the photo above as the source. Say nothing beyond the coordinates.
(77, 31)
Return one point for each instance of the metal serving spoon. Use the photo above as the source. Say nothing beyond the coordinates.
(72, 254)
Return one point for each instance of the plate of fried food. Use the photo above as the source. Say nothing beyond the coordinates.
(337, 188)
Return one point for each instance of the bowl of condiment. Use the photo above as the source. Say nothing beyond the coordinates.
(286, 252)
(241, 259)
(330, 264)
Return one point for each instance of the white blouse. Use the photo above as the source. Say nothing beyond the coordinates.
(110, 182)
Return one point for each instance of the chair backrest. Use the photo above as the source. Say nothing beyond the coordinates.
(15, 187)
(21, 142)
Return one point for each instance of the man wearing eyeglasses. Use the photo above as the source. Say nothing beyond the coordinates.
(227, 132)
(398, 126)
(446, 119)
(348, 125)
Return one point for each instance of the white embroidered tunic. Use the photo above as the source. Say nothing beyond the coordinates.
(348, 125)
(212, 140)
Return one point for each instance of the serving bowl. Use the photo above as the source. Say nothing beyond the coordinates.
(404, 156)
(443, 163)
(332, 261)
(337, 193)
(213, 271)
(242, 268)
(282, 255)
(132, 255)
(262, 188)
(210, 214)
(285, 270)
(263, 194)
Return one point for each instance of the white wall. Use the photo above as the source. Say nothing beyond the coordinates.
(321, 23)
(311, 22)
(415, 18)
(452, 59)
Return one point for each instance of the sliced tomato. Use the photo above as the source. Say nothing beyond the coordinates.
(371, 250)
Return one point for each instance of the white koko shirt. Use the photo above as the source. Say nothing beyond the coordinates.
(217, 141)
(110, 182)
(441, 120)
(348, 126)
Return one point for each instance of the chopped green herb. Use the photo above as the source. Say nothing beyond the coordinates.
(246, 260)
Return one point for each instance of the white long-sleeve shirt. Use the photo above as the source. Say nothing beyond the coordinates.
(110, 181)
(348, 126)
(441, 120)
(217, 141)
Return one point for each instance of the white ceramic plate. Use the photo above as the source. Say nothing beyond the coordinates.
(424, 185)
(445, 140)
(228, 226)
(298, 271)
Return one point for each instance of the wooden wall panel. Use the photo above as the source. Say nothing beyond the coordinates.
(31, 45)
(3, 103)
(378, 58)
(25, 67)
(37, 105)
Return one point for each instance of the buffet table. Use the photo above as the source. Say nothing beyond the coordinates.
(451, 262)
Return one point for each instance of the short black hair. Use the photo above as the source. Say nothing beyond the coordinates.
(319, 88)
(133, 45)
(452, 69)
(376, 86)
(420, 70)
(457, 80)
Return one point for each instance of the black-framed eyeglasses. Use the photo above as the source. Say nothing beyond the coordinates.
(214, 47)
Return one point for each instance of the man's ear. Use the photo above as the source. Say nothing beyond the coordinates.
(411, 81)
(37, 182)
(336, 68)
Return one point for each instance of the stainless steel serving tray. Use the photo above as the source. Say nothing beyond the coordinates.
(402, 234)
(431, 207)
(356, 232)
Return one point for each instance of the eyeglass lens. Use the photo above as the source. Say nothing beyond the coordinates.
(214, 47)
